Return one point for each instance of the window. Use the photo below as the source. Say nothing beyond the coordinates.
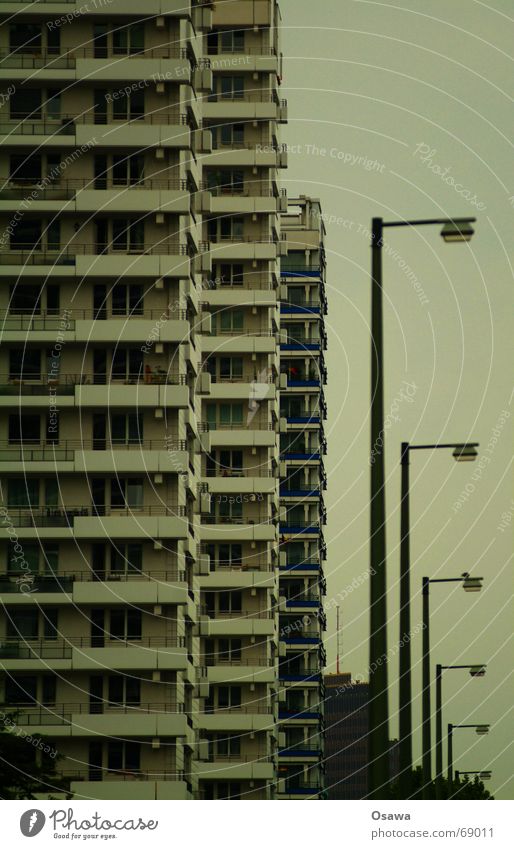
(230, 512)
(231, 321)
(123, 756)
(230, 602)
(25, 299)
(127, 492)
(232, 134)
(127, 364)
(49, 689)
(230, 462)
(21, 690)
(127, 170)
(226, 229)
(227, 745)
(24, 428)
(229, 650)
(232, 41)
(230, 368)
(126, 428)
(26, 103)
(27, 562)
(225, 555)
(50, 623)
(128, 40)
(229, 697)
(124, 690)
(128, 235)
(23, 492)
(128, 106)
(231, 88)
(23, 624)
(125, 624)
(229, 275)
(51, 492)
(25, 38)
(226, 182)
(225, 415)
(127, 300)
(126, 558)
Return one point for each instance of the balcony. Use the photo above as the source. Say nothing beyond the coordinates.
(72, 713)
(33, 320)
(294, 269)
(305, 418)
(39, 59)
(299, 713)
(28, 649)
(166, 258)
(63, 582)
(17, 188)
(87, 522)
(299, 566)
(65, 384)
(300, 492)
(66, 449)
(303, 307)
(300, 751)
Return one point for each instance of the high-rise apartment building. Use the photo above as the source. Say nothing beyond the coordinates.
(142, 441)
(303, 341)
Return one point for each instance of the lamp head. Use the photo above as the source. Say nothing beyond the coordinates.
(471, 585)
(465, 453)
(457, 231)
(482, 729)
(477, 671)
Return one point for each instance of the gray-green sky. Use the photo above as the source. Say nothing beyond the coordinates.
(384, 97)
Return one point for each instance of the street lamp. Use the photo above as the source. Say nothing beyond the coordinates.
(461, 451)
(479, 729)
(469, 584)
(483, 774)
(454, 230)
(476, 671)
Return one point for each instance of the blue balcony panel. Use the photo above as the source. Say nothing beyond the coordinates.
(300, 346)
(305, 641)
(293, 309)
(298, 455)
(303, 383)
(313, 676)
(303, 420)
(306, 567)
(300, 493)
(295, 603)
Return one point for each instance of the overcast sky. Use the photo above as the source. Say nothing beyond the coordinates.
(397, 109)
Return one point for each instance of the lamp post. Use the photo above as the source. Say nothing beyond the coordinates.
(476, 671)
(470, 585)
(483, 774)
(479, 729)
(453, 230)
(461, 452)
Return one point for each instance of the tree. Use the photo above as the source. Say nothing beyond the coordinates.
(27, 762)
(460, 789)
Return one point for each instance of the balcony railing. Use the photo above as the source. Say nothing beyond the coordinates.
(234, 709)
(100, 774)
(63, 581)
(237, 614)
(26, 649)
(38, 58)
(52, 123)
(238, 520)
(65, 384)
(62, 517)
(65, 450)
(62, 713)
(20, 187)
(209, 660)
(34, 254)
(208, 426)
(44, 320)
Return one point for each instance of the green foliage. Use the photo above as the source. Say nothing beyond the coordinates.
(460, 789)
(27, 762)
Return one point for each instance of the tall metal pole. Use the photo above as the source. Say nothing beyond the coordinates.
(426, 733)
(337, 640)
(438, 729)
(405, 685)
(378, 750)
(450, 756)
